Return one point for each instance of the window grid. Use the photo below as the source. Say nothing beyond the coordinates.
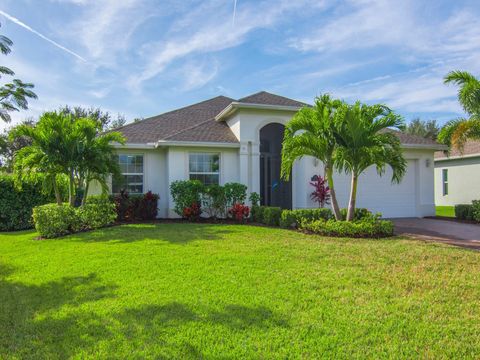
(445, 181)
(131, 169)
(204, 167)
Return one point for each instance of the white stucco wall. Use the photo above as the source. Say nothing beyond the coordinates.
(463, 181)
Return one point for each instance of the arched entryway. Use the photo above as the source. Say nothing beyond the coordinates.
(273, 190)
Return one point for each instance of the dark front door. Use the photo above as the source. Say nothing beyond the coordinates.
(273, 190)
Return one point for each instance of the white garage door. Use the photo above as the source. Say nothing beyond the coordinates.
(392, 200)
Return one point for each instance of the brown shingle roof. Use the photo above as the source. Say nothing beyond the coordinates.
(471, 148)
(266, 98)
(196, 123)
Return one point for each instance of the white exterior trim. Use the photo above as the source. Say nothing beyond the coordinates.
(166, 143)
(230, 109)
(457, 157)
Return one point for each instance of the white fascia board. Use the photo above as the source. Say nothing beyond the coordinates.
(162, 143)
(134, 146)
(436, 147)
(457, 157)
(238, 105)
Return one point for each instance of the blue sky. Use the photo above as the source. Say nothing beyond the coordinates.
(143, 57)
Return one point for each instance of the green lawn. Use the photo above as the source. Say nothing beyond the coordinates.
(213, 291)
(448, 211)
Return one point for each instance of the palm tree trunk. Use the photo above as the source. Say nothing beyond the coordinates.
(85, 194)
(333, 195)
(58, 196)
(71, 189)
(353, 197)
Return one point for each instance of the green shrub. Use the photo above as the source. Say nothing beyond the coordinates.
(254, 199)
(293, 218)
(98, 211)
(185, 194)
(235, 193)
(256, 213)
(271, 215)
(360, 214)
(214, 201)
(16, 204)
(52, 220)
(353, 229)
(464, 211)
(476, 210)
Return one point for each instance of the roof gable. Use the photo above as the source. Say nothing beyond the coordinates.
(266, 98)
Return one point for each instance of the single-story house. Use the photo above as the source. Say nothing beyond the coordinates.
(223, 140)
(457, 175)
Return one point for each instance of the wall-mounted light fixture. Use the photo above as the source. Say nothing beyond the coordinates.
(427, 163)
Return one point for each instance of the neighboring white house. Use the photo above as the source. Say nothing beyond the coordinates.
(225, 140)
(457, 176)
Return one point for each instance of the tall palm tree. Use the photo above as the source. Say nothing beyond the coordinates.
(364, 139)
(310, 133)
(457, 132)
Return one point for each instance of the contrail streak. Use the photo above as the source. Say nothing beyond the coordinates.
(234, 11)
(25, 26)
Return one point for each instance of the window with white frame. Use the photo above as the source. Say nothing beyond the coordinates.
(131, 179)
(445, 181)
(204, 167)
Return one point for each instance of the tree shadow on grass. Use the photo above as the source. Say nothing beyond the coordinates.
(177, 233)
(34, 325)
(30, 326)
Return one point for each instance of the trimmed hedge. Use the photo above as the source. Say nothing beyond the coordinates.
(476, 210)
(464, 211)
(359, 214)
(271, 215)
(352, 229)
(16, 205)
(52, 220)
(256, 213)
(292, 218)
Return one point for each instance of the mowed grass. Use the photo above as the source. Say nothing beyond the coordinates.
(223, 291)
(448, 211)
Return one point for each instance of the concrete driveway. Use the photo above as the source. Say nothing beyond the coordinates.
(449, 232)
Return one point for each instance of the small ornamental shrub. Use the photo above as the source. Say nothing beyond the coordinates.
(254, 199)
(353, 229)
(476, 210)
(293, 218)
(136, 207)
(16, 204)
(235, 193)
(98, 211)
(271, 215)
(239, 212)
(321, 192)
(214, 201)
(360, 213)
(52, 220)
(256, 213)
(464, 211)
(192, 212)
(185, 194)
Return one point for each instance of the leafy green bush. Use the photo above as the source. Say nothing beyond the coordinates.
(256, 213)
(360, 214)
(354, 229)
(98, 211)
(16, 204)
(186, 193)
(293, 218)
(271, 215)
(476, 210)
(214, 201)
(464, 211)
(235, 193)
(254, 199)
(52, 220)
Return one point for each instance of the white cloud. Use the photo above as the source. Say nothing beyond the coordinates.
(197, 74)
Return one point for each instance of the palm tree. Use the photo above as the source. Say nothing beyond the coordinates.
(64, 146)
(363, 139)
(96, 155)
(47, 154)
(310, 133)
(457, 132)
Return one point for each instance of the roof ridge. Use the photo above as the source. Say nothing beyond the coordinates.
(173, 111)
